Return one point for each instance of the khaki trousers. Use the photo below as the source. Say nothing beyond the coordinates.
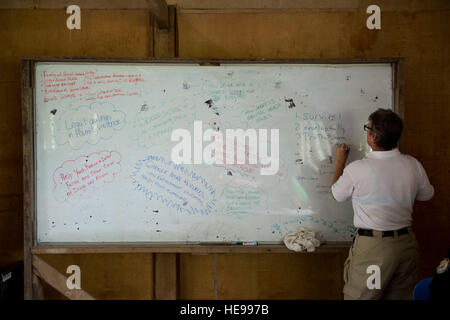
(397, 258)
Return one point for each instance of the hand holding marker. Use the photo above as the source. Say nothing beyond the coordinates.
(346, 147)
(342, 152)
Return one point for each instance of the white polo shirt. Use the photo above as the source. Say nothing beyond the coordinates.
(383, 187)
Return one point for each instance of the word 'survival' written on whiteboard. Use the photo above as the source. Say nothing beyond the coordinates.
(104, 169)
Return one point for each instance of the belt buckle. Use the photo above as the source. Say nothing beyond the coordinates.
(365, 232)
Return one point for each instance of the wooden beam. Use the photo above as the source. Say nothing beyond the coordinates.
(215, 61)
(237, 5)
(160, 11)
(165, 282)
(164, 40)
(307, 5)
(38, 291)
(57, 280)
(28, 176)
(79, 248)
(266, 4)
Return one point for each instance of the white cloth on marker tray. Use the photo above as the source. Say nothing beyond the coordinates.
(301, 240)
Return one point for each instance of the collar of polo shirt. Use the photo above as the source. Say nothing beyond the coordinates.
(383, 154)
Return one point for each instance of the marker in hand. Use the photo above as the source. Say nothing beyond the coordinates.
(342, 152)
(346, 147)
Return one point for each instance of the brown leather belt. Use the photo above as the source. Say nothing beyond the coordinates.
(390, 233)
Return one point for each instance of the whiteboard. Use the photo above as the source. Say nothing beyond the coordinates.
(103, 149)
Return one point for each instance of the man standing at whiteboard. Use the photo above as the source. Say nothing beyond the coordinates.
(383, 260)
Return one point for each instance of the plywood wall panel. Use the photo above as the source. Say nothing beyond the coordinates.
(108, 33)
(109, 276)
(196, 276)
(11, 244)
(10, 113)
(279, 276)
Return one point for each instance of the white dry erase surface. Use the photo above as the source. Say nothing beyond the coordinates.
(103, 149)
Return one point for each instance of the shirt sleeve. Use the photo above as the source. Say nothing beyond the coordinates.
(343, 188)
(426, 190)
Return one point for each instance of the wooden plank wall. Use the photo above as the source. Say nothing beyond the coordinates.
(416, 30)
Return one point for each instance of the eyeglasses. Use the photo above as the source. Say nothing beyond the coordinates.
(366, 127)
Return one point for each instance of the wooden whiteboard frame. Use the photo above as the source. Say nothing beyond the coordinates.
(31, 245)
